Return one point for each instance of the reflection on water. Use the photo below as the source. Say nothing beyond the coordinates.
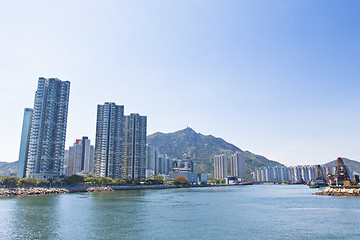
(238, 212)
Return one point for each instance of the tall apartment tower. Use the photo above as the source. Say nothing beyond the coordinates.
(81, 157)
(48, 129)
(134, 156)
(237, 165)
(220, 166)
(151, 158)
(24, 144)
(109, 140)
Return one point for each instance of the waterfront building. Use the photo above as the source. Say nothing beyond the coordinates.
(305, 173)
(269, 174)
(48, 129)
(24, 144)
(184, 168)
(134, 155)
(203, 178)
(66, 160)
(220, 166)
(291, 174)
(156, 163)
(258, 175)
(295, 173)
(151, 159)
(183, 165)
(277, 174)
(237, 165)
(191, 176)
(312, 172)
(284, 173)
(109, 142)
(253, 173)
(81, 157)
(263, 176)
(324, 169)
(166, 164)
(161, 165)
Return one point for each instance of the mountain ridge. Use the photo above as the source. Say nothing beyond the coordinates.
(8, 167)
(202, 149)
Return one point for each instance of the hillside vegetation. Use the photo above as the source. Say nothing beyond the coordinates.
(8, 167)
(202, 149)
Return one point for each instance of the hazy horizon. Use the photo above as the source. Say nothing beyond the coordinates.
(277, 78)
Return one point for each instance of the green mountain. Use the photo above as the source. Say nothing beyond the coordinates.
(202, 149)
(352, 165)
(8, 167)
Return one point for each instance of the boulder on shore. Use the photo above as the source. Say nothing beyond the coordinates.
(340, 192)
(4, 192)
(99, 189)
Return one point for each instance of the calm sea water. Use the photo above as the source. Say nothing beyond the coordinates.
(236, 212)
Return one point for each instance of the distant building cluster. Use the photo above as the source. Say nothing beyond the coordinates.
(300, 173)
(120, 150)
(79, 159)
(158, 164)
(237, 166)
(120, 144)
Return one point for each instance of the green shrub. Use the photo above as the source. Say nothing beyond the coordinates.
(181, 180)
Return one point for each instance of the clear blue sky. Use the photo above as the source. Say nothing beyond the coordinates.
(277, 78)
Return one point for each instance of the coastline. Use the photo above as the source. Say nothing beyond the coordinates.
(12, 192)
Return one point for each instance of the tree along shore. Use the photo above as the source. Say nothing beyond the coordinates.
(13, 186)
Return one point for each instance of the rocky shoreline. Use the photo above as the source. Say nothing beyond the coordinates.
(8, 192)
(340, 192)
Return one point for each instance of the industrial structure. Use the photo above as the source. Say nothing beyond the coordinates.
(341, 176)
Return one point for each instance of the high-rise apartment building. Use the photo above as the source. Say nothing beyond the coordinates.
(120, 145)
(237, 165)
(134, 156)
(297, 173)
(81, 157)
(24, 144)
(109, 142)
(151, 159)
(220, 166)
(48, 129)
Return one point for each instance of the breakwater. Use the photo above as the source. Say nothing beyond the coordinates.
(8, 192)
(340, 192)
